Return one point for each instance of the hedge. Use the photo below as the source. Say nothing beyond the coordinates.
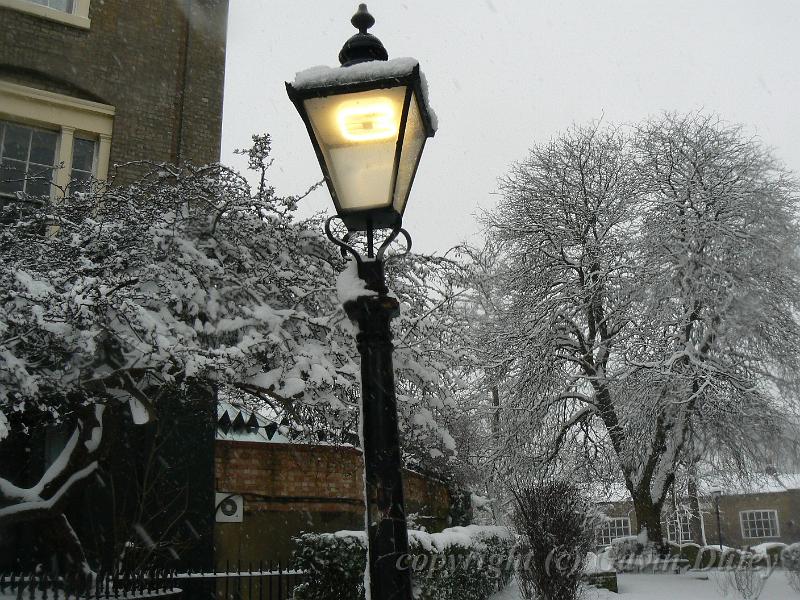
(460, 563)
(769, 554)
(790, 557)
(705, 557)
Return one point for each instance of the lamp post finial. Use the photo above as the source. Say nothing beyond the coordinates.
(363, 46)
(362, 20)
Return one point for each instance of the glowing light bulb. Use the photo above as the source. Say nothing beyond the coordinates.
(366, 122)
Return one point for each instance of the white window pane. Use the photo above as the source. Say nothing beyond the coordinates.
(28, 155)
(39, 184)
(62, 5)
(12, 177)
(678, 526)
(83, 155)
(16, 141)
(614, 528)
(759, 523)
(43, 147)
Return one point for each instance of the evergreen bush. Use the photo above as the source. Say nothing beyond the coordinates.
(460, 563)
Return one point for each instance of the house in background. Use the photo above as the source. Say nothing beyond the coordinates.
(765, 510)
(755, 513)
(91, 83)
(85, 85)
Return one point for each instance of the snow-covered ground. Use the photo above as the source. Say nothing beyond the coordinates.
(672, 587)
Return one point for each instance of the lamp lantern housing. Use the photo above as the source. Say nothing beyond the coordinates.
(368, 121)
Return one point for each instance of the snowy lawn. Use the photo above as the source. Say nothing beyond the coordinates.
(671, 587)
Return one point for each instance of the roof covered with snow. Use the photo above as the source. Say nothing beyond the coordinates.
(759, 484)
(762, 483)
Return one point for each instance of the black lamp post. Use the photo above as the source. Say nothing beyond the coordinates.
(716, 493)
(368, 121)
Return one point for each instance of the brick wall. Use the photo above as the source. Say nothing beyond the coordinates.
(164, 74)
(321, 478)
(290, 488)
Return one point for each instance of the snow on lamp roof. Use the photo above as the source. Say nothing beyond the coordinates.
(373, 70)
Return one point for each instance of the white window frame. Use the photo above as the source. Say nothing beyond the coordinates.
(613, 524)
(674, 524)
(94, 154)
(65, 114)
(742, 514)
(79, 17)
(26, 163)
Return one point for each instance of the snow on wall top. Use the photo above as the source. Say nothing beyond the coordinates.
(460, 537)
(373, 70)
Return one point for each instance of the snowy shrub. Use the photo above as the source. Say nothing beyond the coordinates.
(710, 557)
(335, 565)
(705, 557)
(556, 525)
(624, 548)
(790, 557)
(745, 580)
(460, 563)
(722, 581)
(688, 551)
(748, 580)
(768, 554)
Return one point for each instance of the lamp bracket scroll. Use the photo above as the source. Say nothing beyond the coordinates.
(378, 256)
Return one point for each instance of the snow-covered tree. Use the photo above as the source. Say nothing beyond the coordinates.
(432, 358)
(650, 291)
(192, 280)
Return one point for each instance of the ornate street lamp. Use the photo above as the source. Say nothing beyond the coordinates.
(368, 121)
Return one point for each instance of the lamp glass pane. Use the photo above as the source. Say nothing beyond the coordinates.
(357, 134)
(413, 142)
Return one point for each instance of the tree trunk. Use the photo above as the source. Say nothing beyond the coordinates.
(67, 548)
(648, 516)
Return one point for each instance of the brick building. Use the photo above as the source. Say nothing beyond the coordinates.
(287, 488)
(766, 510)
(93, 83)
(86, 85)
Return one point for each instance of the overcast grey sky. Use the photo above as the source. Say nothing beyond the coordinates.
(504, 74)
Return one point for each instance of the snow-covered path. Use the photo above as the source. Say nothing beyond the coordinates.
(672, 587)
